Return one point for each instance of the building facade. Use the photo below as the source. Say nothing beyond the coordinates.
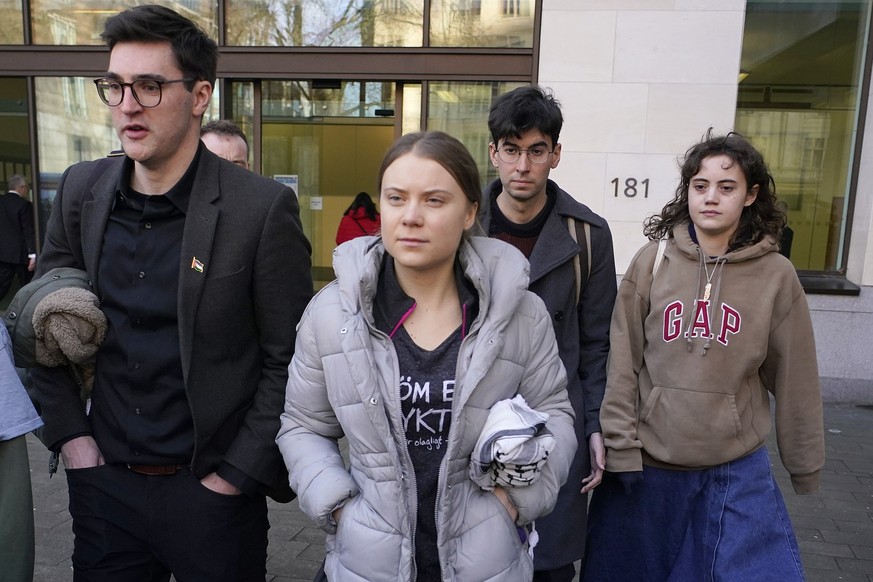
(321, 87)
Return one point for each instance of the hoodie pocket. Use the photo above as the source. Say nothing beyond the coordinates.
(691, 428)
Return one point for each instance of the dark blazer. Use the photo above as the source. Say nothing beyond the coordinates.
(237, 315)
(17, 237)
(583, 342)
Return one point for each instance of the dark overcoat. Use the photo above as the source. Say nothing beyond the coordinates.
(583, 343)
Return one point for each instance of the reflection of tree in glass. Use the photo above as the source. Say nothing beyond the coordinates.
(482, 23)
(456, 23)
(61, 22)
(347, 23)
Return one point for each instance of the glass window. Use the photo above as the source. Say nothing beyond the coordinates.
(461, 109)
(12, 31)
(15, 140)
(73, 125)
(326, 139)
(328, 98)
(473, 23)
(242, 112)
(341, 23)
(798, 102)
(516, 8)
(80, 22)
(411, 117)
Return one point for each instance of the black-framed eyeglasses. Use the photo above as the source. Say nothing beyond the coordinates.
(510, 154)
(147, 92)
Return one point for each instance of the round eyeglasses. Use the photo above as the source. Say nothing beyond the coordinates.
(147, 92)
(510, 154)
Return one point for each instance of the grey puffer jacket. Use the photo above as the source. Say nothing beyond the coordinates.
(344, 380)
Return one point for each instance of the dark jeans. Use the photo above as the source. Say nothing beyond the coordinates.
(727, 523)
(136, 528)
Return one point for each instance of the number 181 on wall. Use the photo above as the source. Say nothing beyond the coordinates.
(630, 187)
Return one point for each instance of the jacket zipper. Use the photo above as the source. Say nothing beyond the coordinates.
(449, 450)
(406, 459)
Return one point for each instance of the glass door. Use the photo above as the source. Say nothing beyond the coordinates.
(326, 139)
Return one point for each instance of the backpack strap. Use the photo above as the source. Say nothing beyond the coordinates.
(572, 227)
(659, 256)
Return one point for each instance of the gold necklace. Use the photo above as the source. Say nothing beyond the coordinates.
(708, 287)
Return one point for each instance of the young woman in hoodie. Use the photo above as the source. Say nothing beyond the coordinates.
(425, 329)
(709, 325)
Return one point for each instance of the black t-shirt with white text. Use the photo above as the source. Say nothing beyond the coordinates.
(427, 386)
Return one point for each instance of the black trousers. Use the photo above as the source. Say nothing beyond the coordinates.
(130, 527)
(10, 270)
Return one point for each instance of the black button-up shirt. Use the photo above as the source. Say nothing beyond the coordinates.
(140, 412)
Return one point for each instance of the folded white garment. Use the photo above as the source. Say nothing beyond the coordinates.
(513, 446)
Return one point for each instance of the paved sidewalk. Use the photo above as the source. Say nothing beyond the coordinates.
(834, 527)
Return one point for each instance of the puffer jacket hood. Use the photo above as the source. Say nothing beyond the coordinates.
(344, 381)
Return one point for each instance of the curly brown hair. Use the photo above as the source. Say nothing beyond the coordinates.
(759, 219)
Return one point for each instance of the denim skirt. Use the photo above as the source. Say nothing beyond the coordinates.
(726, 523)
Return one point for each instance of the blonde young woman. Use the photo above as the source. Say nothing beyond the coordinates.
(425, 329)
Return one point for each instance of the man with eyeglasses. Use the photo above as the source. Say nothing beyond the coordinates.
(203, 271)
(572, 269)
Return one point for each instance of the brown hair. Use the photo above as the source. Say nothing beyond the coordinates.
(445, 150)
(759, 219)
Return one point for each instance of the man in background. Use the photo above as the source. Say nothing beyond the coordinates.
(226, 140)
(17, 236)
(572, 269)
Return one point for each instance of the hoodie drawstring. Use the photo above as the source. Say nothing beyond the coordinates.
(720, 261)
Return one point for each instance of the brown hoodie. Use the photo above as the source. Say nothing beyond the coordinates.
(688, 379)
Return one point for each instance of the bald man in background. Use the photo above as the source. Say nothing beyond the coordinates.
(226, 140)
